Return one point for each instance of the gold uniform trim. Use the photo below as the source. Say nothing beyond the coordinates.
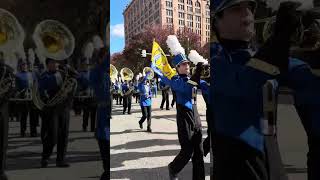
(263, 66)
(192, 83)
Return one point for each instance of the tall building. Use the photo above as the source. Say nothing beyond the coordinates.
(178, 14)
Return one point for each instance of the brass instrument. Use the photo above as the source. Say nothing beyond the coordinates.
(54, 40)
(149, 70)
(113, 73)
(267, 27)
(11, 43)
(126, 74)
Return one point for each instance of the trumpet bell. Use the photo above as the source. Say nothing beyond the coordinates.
(149, 70)
(126, 74)
(54, 40)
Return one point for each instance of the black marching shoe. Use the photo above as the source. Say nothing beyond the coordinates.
(44, 163)
(149, 130)
(140, 125)
(62, 164)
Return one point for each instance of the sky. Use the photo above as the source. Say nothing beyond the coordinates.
(117, 25)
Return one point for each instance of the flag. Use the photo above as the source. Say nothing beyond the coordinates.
(160, 61)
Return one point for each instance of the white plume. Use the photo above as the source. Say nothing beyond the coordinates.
(11, 60)
(275, 4)
(31, 56)
(40, 56)
(174, 45)
(195, 57)
(88, 50)
(21, 54)
(97, 42)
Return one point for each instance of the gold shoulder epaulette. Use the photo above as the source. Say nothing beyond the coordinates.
(192, 82)
(263, 66)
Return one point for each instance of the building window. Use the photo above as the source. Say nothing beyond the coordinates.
(169, 20)
(181, 15)
(169, 12)
(181, 7)
(189, 8)
(197, 10)
(189, 2)
(181, 1)
(198, 18)
(169, 4)
(181, 22)
(197, 4)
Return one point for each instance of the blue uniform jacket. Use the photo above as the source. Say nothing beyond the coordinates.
(50, 83)
(306, 91)
(124, 88)
(236, 99)
(24, 80)
(145, 93)
(83, 80)
(182, 88)
(100, 86)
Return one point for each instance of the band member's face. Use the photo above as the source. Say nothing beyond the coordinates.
(184, 68)
(52, 66)
(23, 67)
(237, 22)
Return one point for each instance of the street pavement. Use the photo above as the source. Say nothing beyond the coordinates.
(24, 155)
(139, 155)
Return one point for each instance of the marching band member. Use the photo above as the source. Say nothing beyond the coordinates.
(88, 104)
(116, 91)
(127, 97)
(24, 81)
(145, 102)
(188, 119)
(154, 88)
(100, 88)
(6, 72)
(165, 94)
(55, 120)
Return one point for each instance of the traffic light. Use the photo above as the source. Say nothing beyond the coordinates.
(144, 53)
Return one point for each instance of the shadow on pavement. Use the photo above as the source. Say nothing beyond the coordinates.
(160, 173)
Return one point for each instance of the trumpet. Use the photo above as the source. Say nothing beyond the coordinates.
(267, 27)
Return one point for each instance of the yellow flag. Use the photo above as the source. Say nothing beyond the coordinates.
(160, 60)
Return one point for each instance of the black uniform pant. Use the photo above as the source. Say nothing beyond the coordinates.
(173, 98)
(120, 99)
(190, 138)
(165, 99)
(55, 130)
(89, 111)
(127, 100)
(146, 114)
(24, 110)
(104, 146)
(235, 160)
(4, 125)
(35, 114)
(308, 115)
(77, 106)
